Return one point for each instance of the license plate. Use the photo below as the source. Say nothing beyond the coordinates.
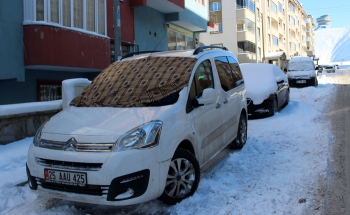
(64, 177)
(301, 81)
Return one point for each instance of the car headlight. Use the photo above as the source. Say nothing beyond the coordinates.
(312, 75)
(37, 136)
(144, 136)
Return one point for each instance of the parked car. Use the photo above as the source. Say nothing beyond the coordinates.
(329, 69)
(267, 88)
(319, 68)
(302, 72)
(143, 129)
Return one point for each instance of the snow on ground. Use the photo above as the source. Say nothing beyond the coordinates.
(275, 173)
(332, 46)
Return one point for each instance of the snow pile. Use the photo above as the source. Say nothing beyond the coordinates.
(30, 107)
(332, 46)
(276, 172)
(259, 81)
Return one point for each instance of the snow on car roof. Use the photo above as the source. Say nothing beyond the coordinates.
(259, 81)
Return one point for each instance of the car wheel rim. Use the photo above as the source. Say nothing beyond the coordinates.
(180, 179)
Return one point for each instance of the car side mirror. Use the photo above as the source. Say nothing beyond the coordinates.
(208, 97)
(316, 68)
(285, 70)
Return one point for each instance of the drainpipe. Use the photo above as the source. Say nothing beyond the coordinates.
(117, 34)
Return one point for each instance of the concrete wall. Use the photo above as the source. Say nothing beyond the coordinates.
(150, 33)
(20, 126)
(11, 46)
(13, 92)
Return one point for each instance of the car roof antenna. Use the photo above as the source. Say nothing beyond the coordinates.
(154, 50)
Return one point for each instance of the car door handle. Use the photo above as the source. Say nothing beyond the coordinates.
(225, 102)
(218, 106)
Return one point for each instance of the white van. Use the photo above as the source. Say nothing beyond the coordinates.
(301, 72)
(142, 129)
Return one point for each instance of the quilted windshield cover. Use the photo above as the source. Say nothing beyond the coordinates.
(135, 83)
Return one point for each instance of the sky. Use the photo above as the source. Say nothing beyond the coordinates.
(274, 173)
(338, 10)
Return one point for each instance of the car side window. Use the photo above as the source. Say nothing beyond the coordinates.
(203, 78)
(225, 74)
(236, 71)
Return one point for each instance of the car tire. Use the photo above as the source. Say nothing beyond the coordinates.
(241, 138)
(273, 107)
(316, 82)
(182, 178)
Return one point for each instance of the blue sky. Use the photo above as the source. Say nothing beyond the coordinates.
(339, 10)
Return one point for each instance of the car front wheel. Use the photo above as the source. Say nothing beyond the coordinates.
(241, 138)
(273, 107)
(182, 179)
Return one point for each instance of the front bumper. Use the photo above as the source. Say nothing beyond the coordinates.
(258, 110)
(124, 178)
(302, 82)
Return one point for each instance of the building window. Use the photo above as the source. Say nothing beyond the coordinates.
(292, 46)
(292, 20)
(54, 13)
(291, 7)
(273, 7)
(215, 6)
(274, 40)
(48, 90)
(244, 4)
(219, 29)
(245, 25)
(246, 47)
(89, 15)
(179, 39)
(280, 7)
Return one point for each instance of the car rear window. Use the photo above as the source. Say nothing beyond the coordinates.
(137, 83)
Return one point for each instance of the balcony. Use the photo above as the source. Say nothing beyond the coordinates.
(164, 6)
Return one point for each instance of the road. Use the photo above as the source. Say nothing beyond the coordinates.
(334, 189)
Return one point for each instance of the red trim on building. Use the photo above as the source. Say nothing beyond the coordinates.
(180, 3)
(136, 3)
(53, 46)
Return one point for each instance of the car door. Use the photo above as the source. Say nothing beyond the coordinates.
(208, 123)
(231, 82)
(282, 86)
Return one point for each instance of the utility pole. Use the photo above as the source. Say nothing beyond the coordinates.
(117, 34)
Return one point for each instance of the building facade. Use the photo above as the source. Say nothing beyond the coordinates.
(267, 30)
(47, 41)
(310, 36)
(222, 13)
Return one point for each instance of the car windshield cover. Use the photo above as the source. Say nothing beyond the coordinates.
(135, 83)
(301, 66)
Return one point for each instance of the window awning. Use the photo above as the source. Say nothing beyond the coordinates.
(275, 55)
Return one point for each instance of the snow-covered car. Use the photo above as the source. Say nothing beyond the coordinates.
(142, 129)
(267, 88)
(329, 69)
(302, 72)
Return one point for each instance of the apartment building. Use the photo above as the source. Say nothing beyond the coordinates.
(222, 13)
(267, 30)
(44, 42)
(310, 39)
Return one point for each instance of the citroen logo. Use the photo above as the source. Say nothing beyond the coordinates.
(71, 145)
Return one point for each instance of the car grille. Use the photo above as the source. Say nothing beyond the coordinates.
(96, 190)
(69, 165)
(301, 76)
(79, 147)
